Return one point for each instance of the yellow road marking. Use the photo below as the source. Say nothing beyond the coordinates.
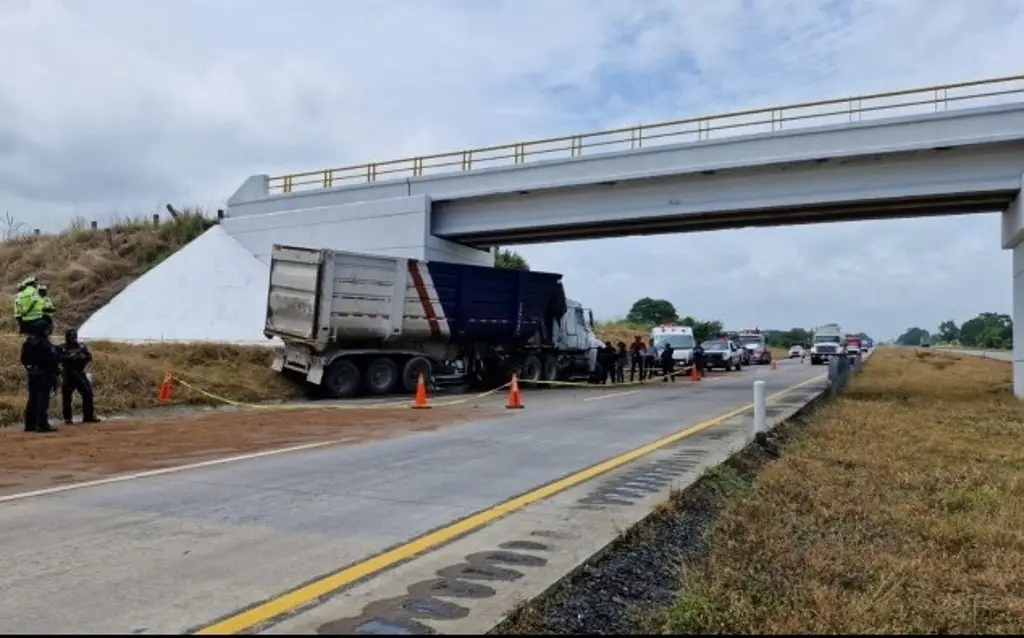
(285, 603)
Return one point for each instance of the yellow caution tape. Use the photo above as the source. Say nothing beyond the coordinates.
(587, 384)
(389, 405)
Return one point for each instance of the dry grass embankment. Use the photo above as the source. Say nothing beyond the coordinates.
(900, 511)
(84, 270)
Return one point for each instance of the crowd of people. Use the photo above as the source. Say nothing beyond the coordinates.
(48, 366)
(643, 360)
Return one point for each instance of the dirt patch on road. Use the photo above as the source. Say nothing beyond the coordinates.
(84, 452)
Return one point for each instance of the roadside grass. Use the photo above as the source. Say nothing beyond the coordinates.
(900, 510)
(85, 269)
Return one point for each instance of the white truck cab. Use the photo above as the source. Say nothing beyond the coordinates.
(575, 340)
(679, 337)
(828, 343)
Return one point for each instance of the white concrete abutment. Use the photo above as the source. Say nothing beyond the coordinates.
(1013, 239)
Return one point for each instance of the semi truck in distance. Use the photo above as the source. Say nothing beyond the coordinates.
(355, 323)
(827, 343)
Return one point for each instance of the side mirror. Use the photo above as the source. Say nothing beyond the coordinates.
(590, 316)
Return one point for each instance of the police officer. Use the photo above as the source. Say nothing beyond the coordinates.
(47, 303)
(42, 365)
(668, 364)
(698, 358)
(74, 358)
(25, 303)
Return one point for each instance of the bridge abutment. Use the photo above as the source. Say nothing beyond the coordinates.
(1013, 239)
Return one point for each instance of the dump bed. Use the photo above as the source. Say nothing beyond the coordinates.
(359, 300)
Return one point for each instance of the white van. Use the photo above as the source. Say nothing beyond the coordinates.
(679, 337)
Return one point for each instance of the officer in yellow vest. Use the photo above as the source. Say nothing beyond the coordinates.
(28, 305)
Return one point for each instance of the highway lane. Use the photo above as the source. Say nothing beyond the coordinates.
(998, 355)
(170, 553)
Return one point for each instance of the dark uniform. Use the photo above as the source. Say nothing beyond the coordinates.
(74, 358)
(607, 357)
(42, 364)
(698, 358)
(637, 349)
(668, 364)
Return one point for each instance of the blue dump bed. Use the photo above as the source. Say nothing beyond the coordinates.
(497, 305)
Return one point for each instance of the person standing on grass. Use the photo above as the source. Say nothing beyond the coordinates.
(636, 350)
(42, 365)
(74, 358)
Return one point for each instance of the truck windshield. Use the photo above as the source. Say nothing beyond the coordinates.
(716, 345)
(827, 339)
(751, 339)
(678, 341)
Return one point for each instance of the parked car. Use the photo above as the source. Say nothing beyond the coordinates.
(723, 353)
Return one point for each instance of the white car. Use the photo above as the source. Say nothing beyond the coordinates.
(796, 351)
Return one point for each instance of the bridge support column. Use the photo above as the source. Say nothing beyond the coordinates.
(1013, 239)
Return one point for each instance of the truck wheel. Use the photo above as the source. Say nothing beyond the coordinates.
(550, 368)
(341, 379)
(532, 369)
(413, 369)
(381, 375)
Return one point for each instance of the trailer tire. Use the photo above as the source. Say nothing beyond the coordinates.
(381, 375)
(341, 379)
(531, 370)
(550, 368)
(413, 369)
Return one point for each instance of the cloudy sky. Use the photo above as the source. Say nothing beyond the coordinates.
(112, 107)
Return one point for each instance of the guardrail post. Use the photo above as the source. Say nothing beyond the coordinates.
(760, 413)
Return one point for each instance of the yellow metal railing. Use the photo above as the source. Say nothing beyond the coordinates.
(850, 109)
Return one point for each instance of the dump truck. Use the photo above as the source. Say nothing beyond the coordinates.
(355, 323)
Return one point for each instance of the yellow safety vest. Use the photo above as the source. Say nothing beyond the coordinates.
(23, 301)
(48, 308)
(33, 307)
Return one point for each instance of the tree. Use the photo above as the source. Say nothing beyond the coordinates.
(988, 330)
(948, 331)
(510, 259)
(652, 311)
(703, 330)
(913, 337)
(783, 338)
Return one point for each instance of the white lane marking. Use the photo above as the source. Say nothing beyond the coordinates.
(167, 470)
(613, 394)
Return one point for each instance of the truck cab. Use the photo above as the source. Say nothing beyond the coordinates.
(575, 343)
(756, 345)
(853, 346)
(679, 337)
(828, 343)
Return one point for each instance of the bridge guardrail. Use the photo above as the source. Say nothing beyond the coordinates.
(849, 109)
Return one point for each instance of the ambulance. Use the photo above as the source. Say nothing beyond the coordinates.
(679, 337)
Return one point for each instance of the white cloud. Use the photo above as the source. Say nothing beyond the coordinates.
(109, 106)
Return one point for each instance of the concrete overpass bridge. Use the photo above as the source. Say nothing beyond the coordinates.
(937, 150)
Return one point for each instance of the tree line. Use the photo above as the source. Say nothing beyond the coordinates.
(986, 330)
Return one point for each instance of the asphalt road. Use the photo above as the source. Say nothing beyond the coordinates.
(999, 355)
(173, 553)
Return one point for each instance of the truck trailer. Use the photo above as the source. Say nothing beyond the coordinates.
(354, 323)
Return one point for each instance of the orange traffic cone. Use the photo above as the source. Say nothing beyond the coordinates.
(515, 400)
(694, 373)
(421, 394)
(164, 393)
(775, 364)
